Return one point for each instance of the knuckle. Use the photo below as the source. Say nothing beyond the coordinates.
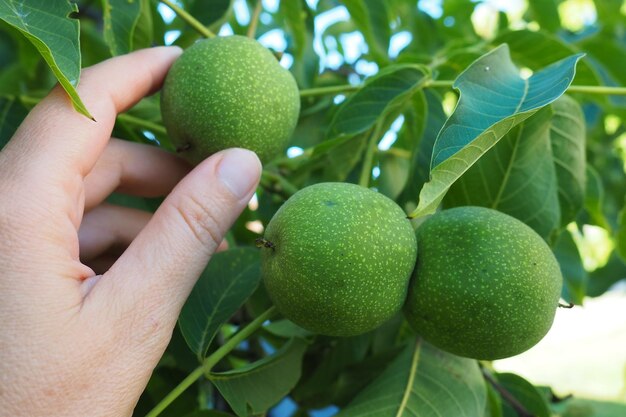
(201, 220)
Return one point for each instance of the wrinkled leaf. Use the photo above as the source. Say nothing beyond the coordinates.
(516, 177)
(494, 99)
(423, 381)
(253, 389)
(47, 25)
(567, 137)
(226, 283)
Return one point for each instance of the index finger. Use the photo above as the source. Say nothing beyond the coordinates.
(55, 136)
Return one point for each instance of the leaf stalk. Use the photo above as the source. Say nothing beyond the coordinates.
(191, 21)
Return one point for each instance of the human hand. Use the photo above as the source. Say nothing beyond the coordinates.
(74, 343)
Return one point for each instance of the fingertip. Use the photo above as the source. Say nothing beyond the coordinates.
(239, 170)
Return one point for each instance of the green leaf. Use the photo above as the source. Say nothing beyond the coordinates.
(12, 113)
(300, 22)
(209, 13)
(127, 25)
(423, 381)
(524, 392)
(603, 278)
(380, 94)
(516, 177)
(608, 52)
(394, 173)
(620, 238)
(537, 49)
(580, 407)
(208, 413)
(47, 25)
(227, 282)
(546, 13)
(594, 198)
(253, 389)
(371, 17)
(567, 136)
(575, 277)
(494, 99)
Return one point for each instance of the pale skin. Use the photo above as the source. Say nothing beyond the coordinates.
(81, 331)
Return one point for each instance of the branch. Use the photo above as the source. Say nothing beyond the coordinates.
(508, 397)
(212, 360)
(191, 21)
(254, 20)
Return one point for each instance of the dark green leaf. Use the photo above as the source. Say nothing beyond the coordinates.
(594, 198)
(379, 95)
(494, 99)
(537, 49)
(546, 13)
(574, 275)
(423, 380)
(12, 113)
(210, 13)
(127, 25)
(567, 137)
(47, 25)
(227, 282)
(253, 389)
(516, 176)
(603, 278)
(300, 25)
(524, 392)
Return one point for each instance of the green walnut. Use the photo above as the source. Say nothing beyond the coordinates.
(229, 92)
(337, 258)
(485, 285)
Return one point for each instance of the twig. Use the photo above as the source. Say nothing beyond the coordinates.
(508, 397)
(254, 20)
(191, 21)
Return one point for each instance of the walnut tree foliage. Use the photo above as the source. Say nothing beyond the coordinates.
(511, 115)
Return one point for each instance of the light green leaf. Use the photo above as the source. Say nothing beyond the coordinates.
(580, 407)
(423, 381)
(47, 25)
(253, 389)
(575, 277)
(516, 177)
(380, 95)
(494, 99)
(127, 25)
(227, 282)
(567, 136)
(299, 19)
(12, 113)
(524, 392)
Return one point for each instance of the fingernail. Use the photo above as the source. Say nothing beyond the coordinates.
(239, 170)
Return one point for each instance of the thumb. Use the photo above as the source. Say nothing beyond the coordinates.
(158, 270)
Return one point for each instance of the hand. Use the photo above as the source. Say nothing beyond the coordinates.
(74, 343)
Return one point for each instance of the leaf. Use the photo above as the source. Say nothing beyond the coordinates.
(537, 49)
(524, 392)
(299, 19)
(379, 95)
(371, 17)
(394, 173)
(603, 278)
(567, 136)
(47, 25)
(208, 413)
(227, 282)
(423, 381)
(127, 25)
(253, 389)
(494, 99)
(580, 407)
(575, 277)
(546, 13)
(12, 113)
(594, 198)
(209, 13)
(420, 162)
(516, 177)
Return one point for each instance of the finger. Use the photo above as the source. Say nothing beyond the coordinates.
(155, 275)
(133, 168)
(108, 226)
(56, 138)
